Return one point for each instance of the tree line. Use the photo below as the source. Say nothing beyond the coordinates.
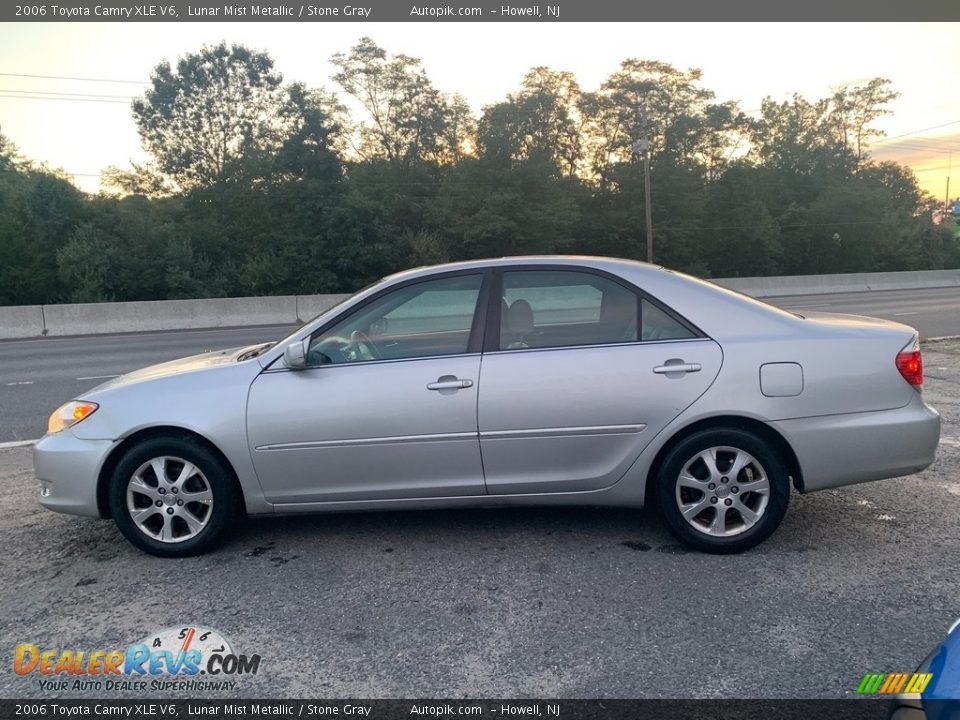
(256, 186)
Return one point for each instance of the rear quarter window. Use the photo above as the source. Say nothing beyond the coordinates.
(659, 325)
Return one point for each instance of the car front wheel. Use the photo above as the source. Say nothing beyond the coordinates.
(723, 490)
(172, 497)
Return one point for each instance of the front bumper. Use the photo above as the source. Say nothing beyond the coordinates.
(835, 450)
(67, 468)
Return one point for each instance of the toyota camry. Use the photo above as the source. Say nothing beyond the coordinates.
(517, 381)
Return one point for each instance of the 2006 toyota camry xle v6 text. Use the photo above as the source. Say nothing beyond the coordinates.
(518, 381)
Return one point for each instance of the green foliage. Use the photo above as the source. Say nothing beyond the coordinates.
(39, 210)
(541, 122)
(488, 209)
(745, 239)
(312, 142)
(408, 117)
(256, 187)
(216, 119)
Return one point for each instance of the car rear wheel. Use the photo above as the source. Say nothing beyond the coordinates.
(172, 497)
(723, 490)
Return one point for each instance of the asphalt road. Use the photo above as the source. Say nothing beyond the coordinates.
(568, 603)
(935, 312)
(36, 376)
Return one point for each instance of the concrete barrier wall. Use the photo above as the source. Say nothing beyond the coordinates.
(841, 283)
(309, 306)
(96, 318)
(21, 321)
(107, 318)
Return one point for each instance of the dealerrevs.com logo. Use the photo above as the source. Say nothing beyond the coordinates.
(190, 658)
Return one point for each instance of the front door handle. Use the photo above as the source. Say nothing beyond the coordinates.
(677, 367)
(449, 382)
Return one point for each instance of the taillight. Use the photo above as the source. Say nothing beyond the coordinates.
(910, 365)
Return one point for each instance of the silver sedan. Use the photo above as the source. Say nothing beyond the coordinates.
(519, 381)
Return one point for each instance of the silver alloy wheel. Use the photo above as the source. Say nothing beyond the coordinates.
(722, 491)
(169, 499)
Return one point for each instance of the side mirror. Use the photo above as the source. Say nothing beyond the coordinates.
(295, 355)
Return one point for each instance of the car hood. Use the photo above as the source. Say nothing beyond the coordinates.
(194, 363)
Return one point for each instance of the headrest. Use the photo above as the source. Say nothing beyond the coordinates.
(520, 317)
(618, 306)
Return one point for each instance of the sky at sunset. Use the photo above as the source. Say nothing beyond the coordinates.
(484, 62)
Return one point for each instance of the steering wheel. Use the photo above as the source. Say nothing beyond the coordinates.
(363, 346)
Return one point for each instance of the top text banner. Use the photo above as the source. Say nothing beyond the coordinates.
(801, 40)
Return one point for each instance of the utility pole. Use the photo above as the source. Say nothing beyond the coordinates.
(642, 145)
(946, 202)
(646, 202)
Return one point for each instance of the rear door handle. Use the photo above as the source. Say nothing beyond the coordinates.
(449, 383)
(679, 367)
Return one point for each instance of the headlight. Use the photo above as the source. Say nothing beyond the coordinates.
(69, 415)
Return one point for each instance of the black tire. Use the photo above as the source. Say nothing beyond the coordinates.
(743, 536)
(218, 478)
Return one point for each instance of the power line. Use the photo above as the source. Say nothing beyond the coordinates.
(67, 94)
(921, 130)
(921, 169)
(78, 79)
(147, 82)
(71, 99)
(941, 145)
(885, 144)
(952, 139)
(915, 148)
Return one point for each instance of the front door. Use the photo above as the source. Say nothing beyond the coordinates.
(387, 408)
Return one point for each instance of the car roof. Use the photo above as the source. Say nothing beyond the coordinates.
(614, 265)
(720, 313)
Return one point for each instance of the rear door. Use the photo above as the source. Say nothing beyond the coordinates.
(579, 373)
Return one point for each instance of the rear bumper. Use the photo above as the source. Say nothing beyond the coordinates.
(67, 468)
(835, 450)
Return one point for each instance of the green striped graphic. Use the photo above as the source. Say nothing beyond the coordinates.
(871, 683)
(893, 683)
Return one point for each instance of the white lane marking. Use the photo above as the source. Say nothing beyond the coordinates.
(955, 442)
(284, 330)
(21, 382)
(906, 313)
(16, 444)
(98, 377)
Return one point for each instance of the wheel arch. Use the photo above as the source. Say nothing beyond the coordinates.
(736, 422)
(159, 431)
